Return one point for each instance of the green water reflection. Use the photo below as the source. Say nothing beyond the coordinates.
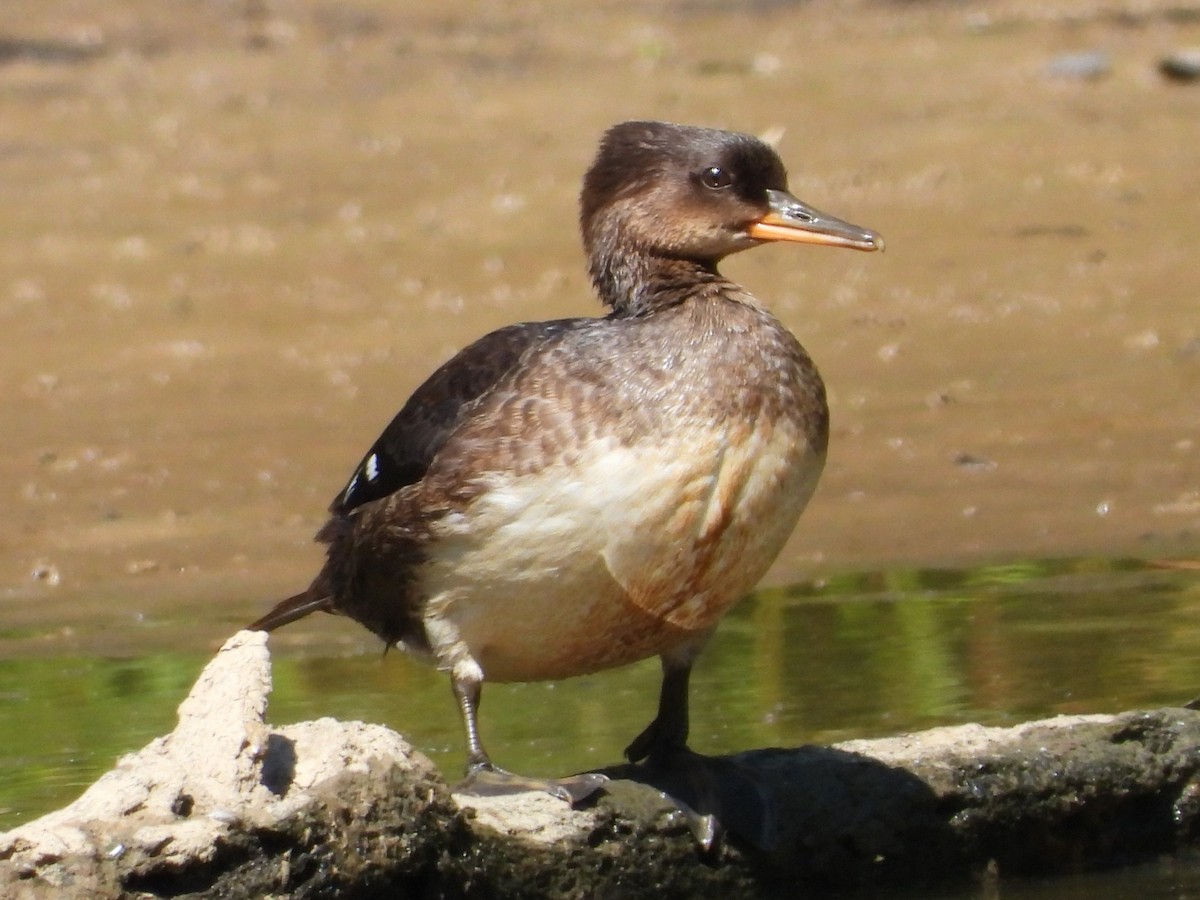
(856, 656)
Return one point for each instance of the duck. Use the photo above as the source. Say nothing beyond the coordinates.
(564, 497)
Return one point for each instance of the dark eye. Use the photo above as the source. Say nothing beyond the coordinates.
(716, 178)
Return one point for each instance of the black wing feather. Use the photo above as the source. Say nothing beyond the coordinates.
(403, 453)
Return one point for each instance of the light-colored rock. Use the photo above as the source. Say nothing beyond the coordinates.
(538, 818)
(176, 802)
(957, 742)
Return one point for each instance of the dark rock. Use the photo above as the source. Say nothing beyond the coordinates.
(1182, 65)
(974, 463)
(48, 52)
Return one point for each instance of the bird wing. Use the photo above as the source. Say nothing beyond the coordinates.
(403, 452)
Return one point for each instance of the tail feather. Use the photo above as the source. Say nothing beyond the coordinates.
(293, 608)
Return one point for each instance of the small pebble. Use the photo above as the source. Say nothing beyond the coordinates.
(225, 816)
(46, 572)
(1182, 65)
(1086, 66)
(974, 463)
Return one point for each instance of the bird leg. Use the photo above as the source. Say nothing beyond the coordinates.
(485, 779)
(713, 794)
(666, 737)
(468, 691)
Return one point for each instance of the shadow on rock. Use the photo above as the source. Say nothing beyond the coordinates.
(279, 764)
(814, 815)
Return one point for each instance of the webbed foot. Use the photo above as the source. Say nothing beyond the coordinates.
(714, 796)
(706, 829)
(489, 781)
(661, 739)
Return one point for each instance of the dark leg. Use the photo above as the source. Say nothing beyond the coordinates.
(484, 778)
(712, 793)
(667, 735)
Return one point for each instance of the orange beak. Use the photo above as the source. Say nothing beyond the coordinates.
(788, 219)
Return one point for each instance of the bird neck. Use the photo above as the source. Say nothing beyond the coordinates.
(633, 283)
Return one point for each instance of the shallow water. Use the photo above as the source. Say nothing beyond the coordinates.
(860, 655)
(235, 236)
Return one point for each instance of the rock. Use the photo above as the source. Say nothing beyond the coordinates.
(228, 806)
(1087, 65)
(220, 797)
(1182, 65)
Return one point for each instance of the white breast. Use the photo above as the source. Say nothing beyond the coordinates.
(623, 554)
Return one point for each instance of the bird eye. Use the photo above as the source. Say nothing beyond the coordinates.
(716, 178)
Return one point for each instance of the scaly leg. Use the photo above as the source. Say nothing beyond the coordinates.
(484, 778)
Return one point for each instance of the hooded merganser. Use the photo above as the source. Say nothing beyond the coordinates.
(567, 496)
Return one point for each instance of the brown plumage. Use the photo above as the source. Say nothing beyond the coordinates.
(567, 496)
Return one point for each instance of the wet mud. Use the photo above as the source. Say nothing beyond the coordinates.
(236, 235)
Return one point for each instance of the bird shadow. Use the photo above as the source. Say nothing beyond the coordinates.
(818, 813)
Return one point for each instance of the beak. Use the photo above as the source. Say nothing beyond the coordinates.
(790, 220)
